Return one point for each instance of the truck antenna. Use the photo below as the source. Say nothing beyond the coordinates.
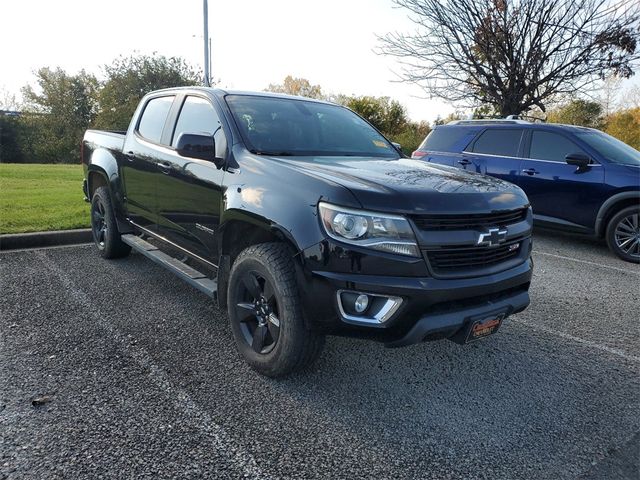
(207, 67)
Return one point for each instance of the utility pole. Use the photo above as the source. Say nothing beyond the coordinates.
(207, 71)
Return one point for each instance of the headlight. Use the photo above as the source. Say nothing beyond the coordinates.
(379, 231)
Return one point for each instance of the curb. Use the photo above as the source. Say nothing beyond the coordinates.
(14, 241)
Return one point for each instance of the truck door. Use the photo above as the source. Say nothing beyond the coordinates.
(139, 161)
(560, 192)
(495, 152)
(189, 192)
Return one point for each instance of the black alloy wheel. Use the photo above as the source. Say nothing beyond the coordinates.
(258, 312)
(104, 226)
(266, 313)
(99, 225)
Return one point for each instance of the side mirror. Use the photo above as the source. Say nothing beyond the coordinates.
(193, 145)
(580, 160)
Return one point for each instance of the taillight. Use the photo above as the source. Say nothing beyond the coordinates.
(419, 154)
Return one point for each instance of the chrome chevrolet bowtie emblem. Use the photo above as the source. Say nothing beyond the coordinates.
(493, 237)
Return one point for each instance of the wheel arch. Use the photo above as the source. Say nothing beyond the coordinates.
(613, 205)
(102, 171)
(242, 230)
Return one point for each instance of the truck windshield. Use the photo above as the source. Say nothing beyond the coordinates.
(283, 126)
(611, 148)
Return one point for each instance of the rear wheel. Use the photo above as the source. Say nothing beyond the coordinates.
(104, 226)
(623, 234)
(265, 312)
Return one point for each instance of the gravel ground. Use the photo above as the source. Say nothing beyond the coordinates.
(139, 377)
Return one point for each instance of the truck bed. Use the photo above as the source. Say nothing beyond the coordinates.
(111, 140)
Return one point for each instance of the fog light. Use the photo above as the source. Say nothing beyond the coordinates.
(361, 303)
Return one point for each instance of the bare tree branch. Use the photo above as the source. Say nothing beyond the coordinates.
(515, 54)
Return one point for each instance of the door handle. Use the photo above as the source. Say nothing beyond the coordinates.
(464, 162)
(530, 171)
(164, 166)
(130, 156)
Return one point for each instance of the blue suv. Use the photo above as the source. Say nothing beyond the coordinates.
(577, 179)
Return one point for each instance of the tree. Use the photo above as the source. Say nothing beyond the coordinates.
(387, 115)
(10, 147)
(515, 54)
(450, 118)
(625, 125)
(609, 94)
(411, 136)
(128, 79)
(578, 112)
(8, 100)
(56, 114)
(297, 86)
(632, 96)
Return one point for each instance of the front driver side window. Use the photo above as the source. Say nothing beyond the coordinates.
(198, 116)
(551, 146)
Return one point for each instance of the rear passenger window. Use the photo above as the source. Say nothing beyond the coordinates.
(153, 117)
(496, 141)
(446, 139)
(551, 146)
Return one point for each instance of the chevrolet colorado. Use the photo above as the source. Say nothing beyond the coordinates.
(302, 220)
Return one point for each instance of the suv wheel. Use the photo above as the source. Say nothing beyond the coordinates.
(104, 227)
(623, 234)
(265, 312)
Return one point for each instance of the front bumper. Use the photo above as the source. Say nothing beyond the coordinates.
(432, 308)
(448, 324)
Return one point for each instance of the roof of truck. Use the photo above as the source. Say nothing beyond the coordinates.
(223, 92)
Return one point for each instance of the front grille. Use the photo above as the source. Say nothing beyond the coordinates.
(463, 260)
(466, 222)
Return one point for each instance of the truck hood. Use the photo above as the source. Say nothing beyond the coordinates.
(411, 186)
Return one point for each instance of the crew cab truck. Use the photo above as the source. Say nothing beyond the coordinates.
(303, 221)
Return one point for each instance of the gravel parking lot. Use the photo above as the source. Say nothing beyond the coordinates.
(140, 378)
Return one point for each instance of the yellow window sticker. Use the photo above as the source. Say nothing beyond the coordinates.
(379, 143)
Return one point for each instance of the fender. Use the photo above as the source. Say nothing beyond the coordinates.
(104, 163)
(610, 202)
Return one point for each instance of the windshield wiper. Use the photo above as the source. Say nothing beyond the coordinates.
(272, 153)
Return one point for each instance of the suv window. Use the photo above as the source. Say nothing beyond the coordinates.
(153, 118)
(446, 139)
(551, 146)
(499, 141)
(197, 115)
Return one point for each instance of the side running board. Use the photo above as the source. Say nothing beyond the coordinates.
(181, 269)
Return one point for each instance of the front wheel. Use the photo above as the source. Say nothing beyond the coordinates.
(265, 312)
(623, 234)
(104, 226)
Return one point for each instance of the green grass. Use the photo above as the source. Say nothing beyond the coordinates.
(35, 197)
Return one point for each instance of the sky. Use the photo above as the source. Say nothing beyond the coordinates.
(254, 43)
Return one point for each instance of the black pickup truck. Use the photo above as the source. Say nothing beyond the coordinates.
(302, 220)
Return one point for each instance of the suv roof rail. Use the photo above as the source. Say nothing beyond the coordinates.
(486, 121)
(509, 119)
(529, 118)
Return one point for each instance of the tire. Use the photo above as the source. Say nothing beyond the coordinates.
(623, 234)
(265, 312)
(104, 227)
